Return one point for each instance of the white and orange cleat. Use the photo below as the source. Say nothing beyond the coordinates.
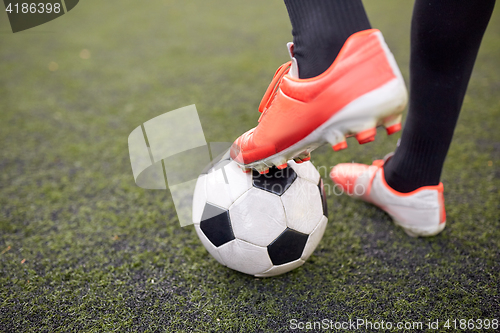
(361, 90)
(419, 213)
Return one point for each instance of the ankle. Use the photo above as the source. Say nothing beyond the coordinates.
(405, 182)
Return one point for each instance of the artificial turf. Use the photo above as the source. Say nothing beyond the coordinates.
(82, 248)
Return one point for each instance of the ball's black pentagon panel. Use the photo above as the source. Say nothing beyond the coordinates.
(216, 225)
(275, 181)
(323, 197)
(287, 247)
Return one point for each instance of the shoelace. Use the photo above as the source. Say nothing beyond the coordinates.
(272, 90)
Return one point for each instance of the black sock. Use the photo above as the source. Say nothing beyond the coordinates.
(445, 39)
(320, 28)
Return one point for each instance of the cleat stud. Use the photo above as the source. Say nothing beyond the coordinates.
(305, 156)
(366, 136)
(245, 170)
(297, 160)
(282, 166)
(264, 172)
(392, 124)
(280, 163)
(340, 146)
(393, 129)
(367, 140)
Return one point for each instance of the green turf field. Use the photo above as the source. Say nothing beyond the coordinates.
(82, 248)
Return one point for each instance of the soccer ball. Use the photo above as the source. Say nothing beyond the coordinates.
(260, 224)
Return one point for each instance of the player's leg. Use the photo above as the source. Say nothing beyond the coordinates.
(445, 39)
(320, 29)
(342, 81)
(446, 35)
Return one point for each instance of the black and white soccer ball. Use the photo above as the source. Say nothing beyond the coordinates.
(263, 225)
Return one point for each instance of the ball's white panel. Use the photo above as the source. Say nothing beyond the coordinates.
(245, 257)
(257, 217)
(226, 184)
(208, 245)
(239, 181)
(314, 238)
(199, 198)
(280, 269)
(306, 170)
(303, 206)
(218, 191)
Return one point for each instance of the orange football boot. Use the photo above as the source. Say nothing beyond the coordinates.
(420, 212)
(361, 90)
